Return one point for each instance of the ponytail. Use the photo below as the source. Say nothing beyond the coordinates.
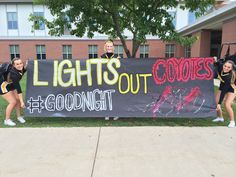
(233, 77)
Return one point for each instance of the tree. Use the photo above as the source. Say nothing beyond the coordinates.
(113, 17)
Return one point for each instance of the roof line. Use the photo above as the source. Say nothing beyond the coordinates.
(217, 16)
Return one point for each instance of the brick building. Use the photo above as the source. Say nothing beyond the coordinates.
(212, 30)
(17, 39)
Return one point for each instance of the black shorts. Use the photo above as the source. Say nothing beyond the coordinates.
(5, 88)
(230, 89)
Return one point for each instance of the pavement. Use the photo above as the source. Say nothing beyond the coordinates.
(118, 152)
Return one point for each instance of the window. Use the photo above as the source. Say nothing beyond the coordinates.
(40, 25)
(144, 50)
(187, 52)
(93, 51)
(41, 52)
(14, 51)
(170, 50)
(191, 17)
(173, 15)
(67, 51)
(119, 50)
(12, 22)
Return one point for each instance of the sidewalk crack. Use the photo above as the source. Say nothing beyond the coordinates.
(96, 151)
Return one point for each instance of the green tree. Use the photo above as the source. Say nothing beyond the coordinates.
(113, 17)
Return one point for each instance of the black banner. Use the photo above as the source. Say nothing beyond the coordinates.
(121, 87)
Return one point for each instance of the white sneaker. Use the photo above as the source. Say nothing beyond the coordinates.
(21, 119)
(9, 122)
(115, 118)
(231, 124)
(218, 119)
(106, 118)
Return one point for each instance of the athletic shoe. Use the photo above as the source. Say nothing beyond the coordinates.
(218, 119)
(21, 119)
(115, 118)
(231, 124)
(9, 122)
(106, 118)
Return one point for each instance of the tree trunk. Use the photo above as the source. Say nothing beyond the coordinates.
(125, 47)
(135, 46)
(118, 31)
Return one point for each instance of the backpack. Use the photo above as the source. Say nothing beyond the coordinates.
(4, 67)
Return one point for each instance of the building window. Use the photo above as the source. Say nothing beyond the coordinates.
(173, 15)
(93, 51)
(38, 23)
(187, 52)
(12, 22)
(119, 50)
(41, 52)
(191, 17)
(144, 50)
(67, 51)
(14, 51)
(170, 50)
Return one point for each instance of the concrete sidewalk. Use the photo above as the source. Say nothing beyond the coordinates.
(118, 152)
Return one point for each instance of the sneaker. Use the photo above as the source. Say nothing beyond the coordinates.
(218, 119)
(115, 118)
(231, 124)
(21, 119)
(106, 118)
(9, 122)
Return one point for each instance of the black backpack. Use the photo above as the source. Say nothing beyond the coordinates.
(4, 67)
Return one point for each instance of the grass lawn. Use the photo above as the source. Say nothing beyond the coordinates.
(97, 122)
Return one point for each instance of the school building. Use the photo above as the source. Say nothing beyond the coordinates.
(18, 39)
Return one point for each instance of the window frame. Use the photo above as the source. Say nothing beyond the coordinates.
(42, 53)
(16, 51)
(119, 50)
(173, 14)
(12, 24)
(67, 52)
(144, 51)
(168, 50)
(93, 51)
(187, 52)
(41, 24)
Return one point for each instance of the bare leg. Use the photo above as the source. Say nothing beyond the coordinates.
(228, 105)
(18, 108)
(10, 98)
(219, 112)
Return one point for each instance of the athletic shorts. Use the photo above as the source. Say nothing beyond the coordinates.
(230, 89)
(5, 87)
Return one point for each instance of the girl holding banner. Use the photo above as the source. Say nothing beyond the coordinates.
(227, 91)
(109, 53)
(10, 90)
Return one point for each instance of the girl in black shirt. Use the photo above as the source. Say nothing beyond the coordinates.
(10, 89)
(227, 91)
(109, 51)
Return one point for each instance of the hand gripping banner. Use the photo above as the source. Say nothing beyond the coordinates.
(121, 87)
